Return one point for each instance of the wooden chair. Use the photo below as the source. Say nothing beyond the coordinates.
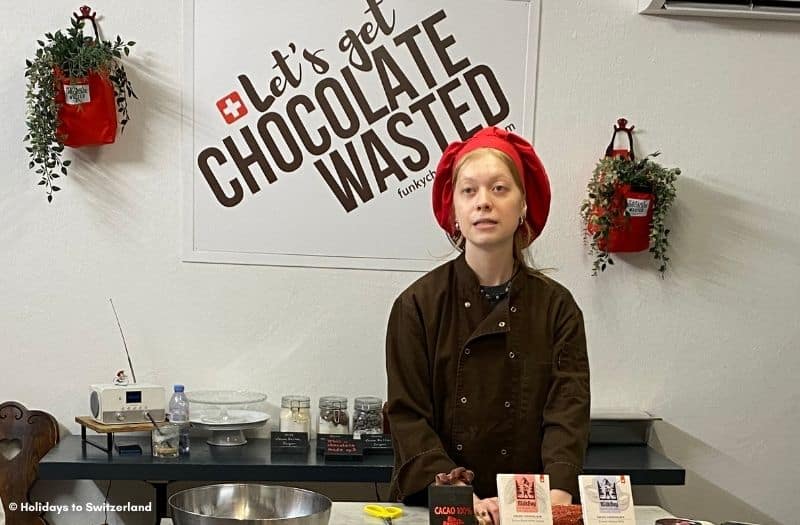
(25, 436)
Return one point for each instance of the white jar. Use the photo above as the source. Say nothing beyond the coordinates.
(295, 414)
(333, 418)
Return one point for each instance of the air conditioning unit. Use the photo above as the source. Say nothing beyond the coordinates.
(764, 9)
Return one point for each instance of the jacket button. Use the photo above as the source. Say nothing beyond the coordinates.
(513, 308)
(504, 452)
(507, 404)
(467, 351)
(501, 324)
(463, 400)
(467, 304)
(459, 447)
(512, 355)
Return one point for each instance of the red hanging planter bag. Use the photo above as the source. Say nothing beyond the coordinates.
(87, 112)
(628, 233)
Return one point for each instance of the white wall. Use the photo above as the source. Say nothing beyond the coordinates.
(709, 348)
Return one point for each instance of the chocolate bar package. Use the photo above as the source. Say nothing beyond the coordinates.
(451, 505)
(606, 500)
(524, 499)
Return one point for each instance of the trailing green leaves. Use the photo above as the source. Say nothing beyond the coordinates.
(76, 55)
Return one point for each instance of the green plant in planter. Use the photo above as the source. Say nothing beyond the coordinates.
(76, 56)
(601, 210)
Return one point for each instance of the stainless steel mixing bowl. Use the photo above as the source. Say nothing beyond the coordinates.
(249, 504)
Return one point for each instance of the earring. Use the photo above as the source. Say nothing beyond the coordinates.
(458, 227)
(521, 220)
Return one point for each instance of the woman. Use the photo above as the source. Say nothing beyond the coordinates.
(486, 358)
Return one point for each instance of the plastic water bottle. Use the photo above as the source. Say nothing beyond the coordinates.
(179, 415)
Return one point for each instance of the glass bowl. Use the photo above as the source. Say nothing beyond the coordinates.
(225, 397)
(217, 406)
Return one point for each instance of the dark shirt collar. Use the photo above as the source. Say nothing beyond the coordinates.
(468, 283)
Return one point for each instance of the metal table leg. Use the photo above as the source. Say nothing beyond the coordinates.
(161, 499)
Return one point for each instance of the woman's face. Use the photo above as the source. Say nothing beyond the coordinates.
(487, 201)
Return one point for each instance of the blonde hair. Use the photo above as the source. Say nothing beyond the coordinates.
(524, 235)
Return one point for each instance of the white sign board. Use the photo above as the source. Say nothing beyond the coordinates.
(312, 128)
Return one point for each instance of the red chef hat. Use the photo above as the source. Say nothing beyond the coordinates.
(534, 178)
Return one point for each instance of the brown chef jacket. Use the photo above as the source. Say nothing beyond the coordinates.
(496, 390)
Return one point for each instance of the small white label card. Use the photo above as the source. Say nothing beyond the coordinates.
(77, 94)
(638, 207)
(606, 500)
(524, 499)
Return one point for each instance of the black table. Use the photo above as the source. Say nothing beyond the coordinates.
(71, 460)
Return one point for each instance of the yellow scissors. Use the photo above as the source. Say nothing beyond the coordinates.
(387, 514)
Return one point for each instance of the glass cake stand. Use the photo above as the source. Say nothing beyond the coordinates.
(226, 413)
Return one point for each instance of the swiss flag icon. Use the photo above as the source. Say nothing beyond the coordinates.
(231, 107)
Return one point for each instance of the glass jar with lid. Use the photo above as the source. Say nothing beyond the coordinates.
(367, 416)
(333, 417)
(295, 414)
